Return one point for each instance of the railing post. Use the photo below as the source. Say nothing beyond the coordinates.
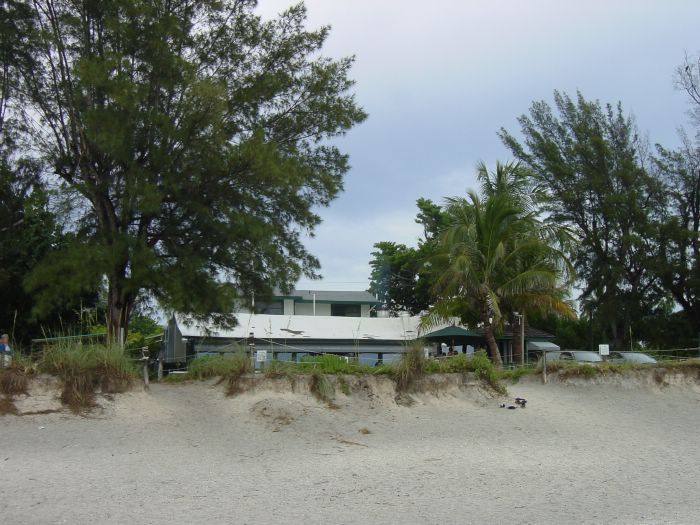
(144, 358)
(544, 366)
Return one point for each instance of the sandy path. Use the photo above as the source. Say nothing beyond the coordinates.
(186, 454)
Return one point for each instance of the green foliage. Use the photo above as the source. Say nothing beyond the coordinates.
(206, 367)
(479, 364)
(327, 364)
(85, 368)
(590, 161)
(495, 255)
(515, 374)
(401, 277)
(29, 233)
(230, 370)
(678, 233)
(185, 162)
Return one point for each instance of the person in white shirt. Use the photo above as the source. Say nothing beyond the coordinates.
(5, 350)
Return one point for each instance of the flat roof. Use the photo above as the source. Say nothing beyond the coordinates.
(296, 327)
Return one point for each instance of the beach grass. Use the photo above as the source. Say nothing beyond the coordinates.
(83, 369)
(14, 377)
(321, 388)
(410, 368)
(229, 368)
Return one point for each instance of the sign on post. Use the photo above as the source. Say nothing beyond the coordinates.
(604, 349)
(261, 356)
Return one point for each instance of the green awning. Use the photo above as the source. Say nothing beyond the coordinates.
(451, 331)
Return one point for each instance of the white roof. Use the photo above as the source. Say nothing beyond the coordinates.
(265, 326)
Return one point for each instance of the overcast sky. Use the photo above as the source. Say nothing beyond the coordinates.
(440, 78)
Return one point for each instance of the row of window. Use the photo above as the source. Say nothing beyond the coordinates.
(337, 310)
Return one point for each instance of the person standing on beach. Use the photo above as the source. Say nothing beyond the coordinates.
(5, 350)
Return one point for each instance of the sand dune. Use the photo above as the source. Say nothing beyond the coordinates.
(613, 452)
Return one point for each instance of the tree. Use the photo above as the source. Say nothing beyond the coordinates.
(493, 254)
(401, 277)
(678, 233)
(591, 162)
(191, 142)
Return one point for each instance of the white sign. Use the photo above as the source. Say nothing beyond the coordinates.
(604, 349)
(261, 355)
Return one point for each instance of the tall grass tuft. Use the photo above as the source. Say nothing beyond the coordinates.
(229, 368)
(409, 368)
(322, 388)
(84, 369)
(14, 378)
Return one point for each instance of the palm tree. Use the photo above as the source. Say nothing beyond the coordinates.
(492, 254)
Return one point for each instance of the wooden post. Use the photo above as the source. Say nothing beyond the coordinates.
(160, 366)
(144, 358)
(544, 366)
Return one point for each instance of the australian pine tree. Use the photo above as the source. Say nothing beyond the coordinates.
(678, 233)
(191, 142)
(591, 163)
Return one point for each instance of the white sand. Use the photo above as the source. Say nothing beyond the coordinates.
(187, 454)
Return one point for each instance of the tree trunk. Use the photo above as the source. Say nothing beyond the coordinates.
(491, 344)
(119, 305)
(517, 340)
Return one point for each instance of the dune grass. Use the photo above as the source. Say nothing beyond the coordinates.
(84, 369)
(229, 369)
(406, 372)
(410, 368)
(321, 388)
(14, 377)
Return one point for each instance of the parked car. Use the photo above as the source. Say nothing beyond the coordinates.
(575, 356)
(638, 358)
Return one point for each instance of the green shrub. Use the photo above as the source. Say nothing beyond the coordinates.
(484, 370)
(515, 374)
(85, 368)
(278, 369)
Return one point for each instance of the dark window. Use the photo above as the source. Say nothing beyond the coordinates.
(345, 310)
(274, 308)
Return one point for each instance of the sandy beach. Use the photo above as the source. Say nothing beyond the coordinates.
(611, 452)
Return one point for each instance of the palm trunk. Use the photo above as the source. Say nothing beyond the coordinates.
(517, 341)
(518, 349)
(491, 344)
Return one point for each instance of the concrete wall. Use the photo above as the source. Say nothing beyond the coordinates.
(289, 307)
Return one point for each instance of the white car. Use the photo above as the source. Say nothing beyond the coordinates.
(638, 358)
(575, 356)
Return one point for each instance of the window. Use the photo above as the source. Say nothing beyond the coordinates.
(345, 310)
(274, 308)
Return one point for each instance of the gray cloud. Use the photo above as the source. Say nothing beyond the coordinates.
(440, 78)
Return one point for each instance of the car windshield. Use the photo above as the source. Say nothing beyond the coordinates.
(591, 357)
